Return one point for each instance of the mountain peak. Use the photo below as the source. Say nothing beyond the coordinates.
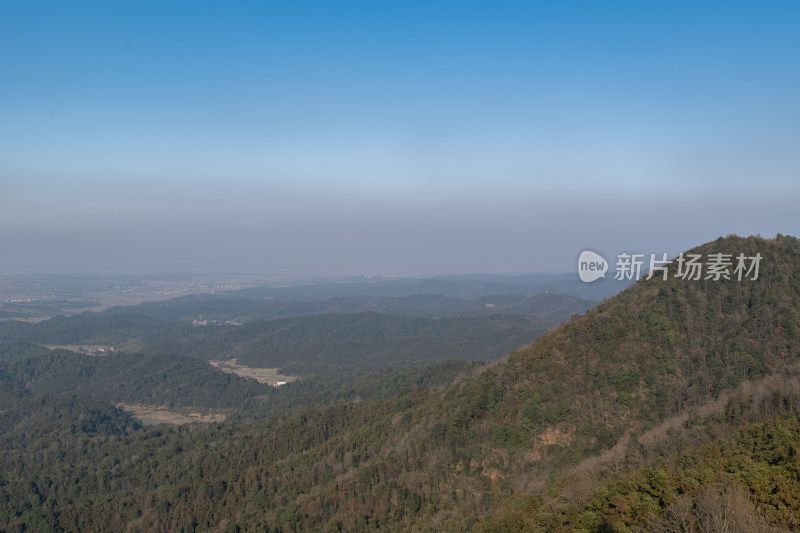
(665, 344)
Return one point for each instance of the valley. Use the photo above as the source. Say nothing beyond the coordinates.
(609, 419)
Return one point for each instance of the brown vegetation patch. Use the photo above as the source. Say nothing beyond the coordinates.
(155, 414)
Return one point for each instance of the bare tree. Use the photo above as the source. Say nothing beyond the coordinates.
(725, 508)
(678, 517)
(718, 508)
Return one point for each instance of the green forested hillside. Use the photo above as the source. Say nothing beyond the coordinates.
(577, 431)
(744, 480)
(330, 343)
(172, 381)
(185, 382)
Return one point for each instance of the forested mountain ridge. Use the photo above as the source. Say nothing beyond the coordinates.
(158, 379)
(664, 365)
(464, 286)
(213, 297)
(652, 352)
(230, 308)
(352, 343)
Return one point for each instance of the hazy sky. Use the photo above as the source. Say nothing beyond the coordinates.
(390, 137)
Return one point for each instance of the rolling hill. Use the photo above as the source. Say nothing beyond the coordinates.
(330, 343)
(227, 308)
(607, 423)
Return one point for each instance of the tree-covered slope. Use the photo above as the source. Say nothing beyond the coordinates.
(654, 351)
(351, 343)
(610, 390)
(167, 380)
(742, 480)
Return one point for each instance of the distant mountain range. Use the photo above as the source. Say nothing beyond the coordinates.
(240, 310)
(26, 297)
(467, 286)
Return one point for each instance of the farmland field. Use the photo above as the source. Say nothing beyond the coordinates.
(154, 414)
(269, 376)
(84, 349)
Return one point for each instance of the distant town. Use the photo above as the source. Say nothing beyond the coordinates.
(37, 297)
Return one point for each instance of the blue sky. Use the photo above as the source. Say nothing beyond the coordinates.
(390, 137)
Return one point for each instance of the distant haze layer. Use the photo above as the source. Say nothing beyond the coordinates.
(322, 138)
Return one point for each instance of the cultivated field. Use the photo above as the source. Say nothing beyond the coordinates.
(154, 414)
(269, 376)
(84, 349)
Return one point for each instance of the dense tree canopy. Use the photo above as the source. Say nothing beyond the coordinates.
(674, 402)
